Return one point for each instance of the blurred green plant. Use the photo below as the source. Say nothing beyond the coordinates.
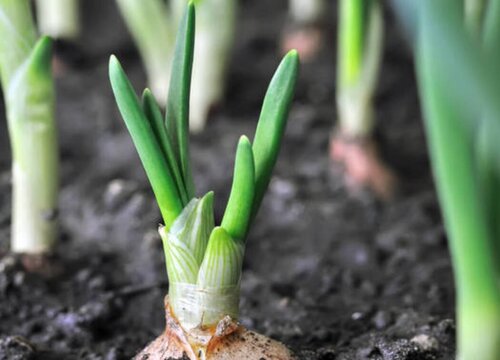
(25, 70)
(59, 19)
(360, 42)
(359, 53)
(152, 29)
(474, 12)
(152, 24)
(456, 49)
(203, 262)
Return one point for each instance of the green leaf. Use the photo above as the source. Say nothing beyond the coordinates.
(450, 143)
(153, 114)
(177, 115)
(186, 241)
(487, 167)
(272, 123)
(30, 100)
(452, 160)
(407, 12)
(18, 36)
(39, 63)
(223, 261)
(182, 266)
(239, 207)
(198, 225)
(461, 61)
(146, 144)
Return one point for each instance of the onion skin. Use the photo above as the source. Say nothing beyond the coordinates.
(228, 341)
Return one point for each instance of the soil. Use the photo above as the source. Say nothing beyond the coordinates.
(333, 275)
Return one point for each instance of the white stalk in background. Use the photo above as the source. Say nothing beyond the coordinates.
(215, 23)
(29, 97)
(150, 25)
(355, 93)
(59, 19)
(306, 11)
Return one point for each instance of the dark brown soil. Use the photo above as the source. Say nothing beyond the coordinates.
(332, 275)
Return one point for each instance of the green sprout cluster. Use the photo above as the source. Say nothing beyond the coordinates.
(202, 260)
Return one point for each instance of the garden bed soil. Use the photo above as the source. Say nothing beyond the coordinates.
(332, 274)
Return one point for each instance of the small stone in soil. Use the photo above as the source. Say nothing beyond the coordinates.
(425, 342)
(326, 354)
(117, 193)
(382, 319)
(16, 348)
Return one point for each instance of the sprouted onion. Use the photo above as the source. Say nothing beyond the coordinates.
(204, 261)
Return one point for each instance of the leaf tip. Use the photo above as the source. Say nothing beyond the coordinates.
(113, 59)
(45, 41)
(293, 54)
(293, 57)
(219, 233)
(208, 198)
(147, 95)
(114, 65)
(244, 141)
(42, 54)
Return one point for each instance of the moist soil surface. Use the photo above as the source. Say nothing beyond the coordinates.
(332, 273)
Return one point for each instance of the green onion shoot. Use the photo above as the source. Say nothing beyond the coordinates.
(360, 38)
(60, 19)
(211, 54)
(28, 88)
(359, 52)
(457, 67)
(204, 261)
